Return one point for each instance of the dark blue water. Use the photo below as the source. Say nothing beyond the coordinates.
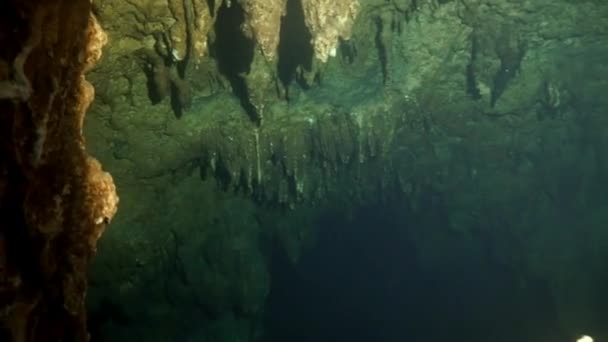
(365, 280)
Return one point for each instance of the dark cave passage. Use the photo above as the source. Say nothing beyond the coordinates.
(366, 281)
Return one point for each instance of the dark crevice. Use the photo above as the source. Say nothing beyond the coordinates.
(396, 25)
(154, 93)
(234, 53)
(176, 101)
(219, 171)
(348, 51)
(382, 53)
(510, 55)
(211, 4)
(471, 78)
(295, 49)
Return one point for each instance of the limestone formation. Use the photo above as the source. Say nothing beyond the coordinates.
(203, 23)
(55, 199)
(329, 21)
(263, 23)
(178, 32)
(403, 111)
(188, 34)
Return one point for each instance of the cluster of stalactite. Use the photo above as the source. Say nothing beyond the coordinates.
(177, 37)
(303, 159)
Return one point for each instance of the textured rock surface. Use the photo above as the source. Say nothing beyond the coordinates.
(174, 38)
(481, 106)
(263, 23)
(55, 200)
(329, 21)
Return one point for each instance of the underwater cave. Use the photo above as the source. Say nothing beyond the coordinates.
(462, 200)
(366, 280)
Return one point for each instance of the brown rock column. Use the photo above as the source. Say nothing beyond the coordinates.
(55, 200)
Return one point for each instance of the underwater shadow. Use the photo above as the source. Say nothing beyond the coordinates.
(365, 280)
(234, 53)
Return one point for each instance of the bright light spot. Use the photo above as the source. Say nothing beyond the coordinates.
(333, 52)
(585, 338)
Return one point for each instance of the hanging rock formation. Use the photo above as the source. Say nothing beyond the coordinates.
(263, 23)
(176, 38)
(329, 21)
(479, 110)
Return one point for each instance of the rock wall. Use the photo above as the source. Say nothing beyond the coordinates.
(55, 199)
(174, 38)
(483, 106)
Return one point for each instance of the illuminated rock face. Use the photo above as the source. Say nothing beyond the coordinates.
(183, 29)
(329, 21)
(188, 34)
(179, 39)
(55, 199)
(263, 23)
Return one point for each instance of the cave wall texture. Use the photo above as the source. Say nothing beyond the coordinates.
(213, 114)
(55, 199)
